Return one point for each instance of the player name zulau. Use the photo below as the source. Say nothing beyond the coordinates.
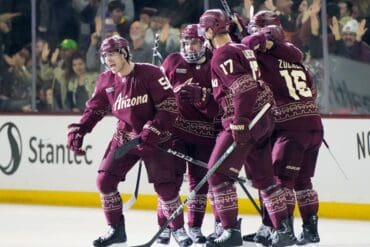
(285, 65)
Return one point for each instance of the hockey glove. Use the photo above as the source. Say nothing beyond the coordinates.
(194, 94)
(273, 33)
(255, 42)
(149, 136)
(76, 135)
(240, 131)
(237, 28)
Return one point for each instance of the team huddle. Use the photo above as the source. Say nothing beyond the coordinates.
(202, 100)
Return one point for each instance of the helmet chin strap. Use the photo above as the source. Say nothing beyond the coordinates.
(208, 40)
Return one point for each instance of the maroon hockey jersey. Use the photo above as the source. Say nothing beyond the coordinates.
(236, 82)
(145, 94)
(194, 120)
(293, 87)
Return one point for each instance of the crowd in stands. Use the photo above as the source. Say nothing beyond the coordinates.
(69, 33)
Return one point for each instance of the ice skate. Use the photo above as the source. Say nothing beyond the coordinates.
(164, 237)
(309, 233)
(229, 238)
(263, 235)
(217, 231)
(116, 236)
(196, 235)
(182, 237)
(284, 236)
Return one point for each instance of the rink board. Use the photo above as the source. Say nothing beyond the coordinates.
(36, 167)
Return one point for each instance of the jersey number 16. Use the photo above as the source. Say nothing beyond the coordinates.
(296, 82)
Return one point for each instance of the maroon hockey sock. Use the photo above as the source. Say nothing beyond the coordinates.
(265, 215)
(112, 206)
(161, 218)
(274, 201)
(226, 202)
(168, 208)
(196, 210)
(308, 203)
(290, 200)
(211, 197)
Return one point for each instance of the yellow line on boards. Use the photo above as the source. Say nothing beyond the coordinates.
(149, 202)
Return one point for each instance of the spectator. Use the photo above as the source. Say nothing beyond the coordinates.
(350, 42)
(4, 30)
(128, 13)
(145, 16)
(53, 68)
(15, 83)
(361, 9)
(169, 37)
(86, 12)
(345, 8)
(304, 13)
(40, 43)
(80, 83)
(140, 50)
(284, 10)
(5, 21)
(308, 37)
(45, 98)
(303, 34)
(63, 22)
(116, 12)
(264, 5)
(92, 55)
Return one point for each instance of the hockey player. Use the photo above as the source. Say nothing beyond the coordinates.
(241, 93)
(140, 97)
(298, 132)
(189, 73)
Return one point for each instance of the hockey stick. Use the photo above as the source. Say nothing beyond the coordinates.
(232, 17)
(250, 198)
(210, 172)
(127, 147)
(335, 160)
(133, 198)
(251, 12)
(200, 163)
(156, 53)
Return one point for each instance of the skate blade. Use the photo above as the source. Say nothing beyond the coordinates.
(199, 245)
(251, 244)
(119, 245)
(311, 245)
(161, 245)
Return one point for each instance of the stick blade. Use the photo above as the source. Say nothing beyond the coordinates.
(133, 199)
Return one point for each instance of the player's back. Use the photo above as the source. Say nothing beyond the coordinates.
(294, 91)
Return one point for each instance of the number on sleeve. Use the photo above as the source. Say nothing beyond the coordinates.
(255, 69)
(249, 55)
(164, 83)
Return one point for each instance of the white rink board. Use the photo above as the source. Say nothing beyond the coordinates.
(341, 136)
(51, 131)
